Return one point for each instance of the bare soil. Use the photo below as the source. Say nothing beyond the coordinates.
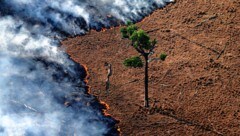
(195, 91)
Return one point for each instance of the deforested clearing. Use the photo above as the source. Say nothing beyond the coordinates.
(196, 91)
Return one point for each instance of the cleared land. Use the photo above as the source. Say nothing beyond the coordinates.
(196, 91)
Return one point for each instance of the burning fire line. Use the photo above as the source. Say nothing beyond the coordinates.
(88, 88)
(104, 104)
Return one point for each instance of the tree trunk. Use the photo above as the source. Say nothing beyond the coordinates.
(146, 100)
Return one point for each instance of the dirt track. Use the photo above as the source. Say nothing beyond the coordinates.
(196, 91)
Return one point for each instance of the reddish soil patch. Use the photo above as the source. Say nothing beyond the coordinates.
(197, 87)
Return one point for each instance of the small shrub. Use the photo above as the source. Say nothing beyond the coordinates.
(163, 56)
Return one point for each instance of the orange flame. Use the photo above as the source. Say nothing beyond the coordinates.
(104, 29)
(106, 106)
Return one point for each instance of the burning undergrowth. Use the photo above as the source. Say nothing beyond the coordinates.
(42, 91)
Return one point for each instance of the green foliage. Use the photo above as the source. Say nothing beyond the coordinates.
(135, 62)
(124, 32)
(140, 39)
(163, 56)
(129, 30)
(129, 23)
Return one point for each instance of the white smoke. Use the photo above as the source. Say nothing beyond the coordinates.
(36, 78)
(76, 16)
(29, 93)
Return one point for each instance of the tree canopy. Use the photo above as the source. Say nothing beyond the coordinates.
(139, 39)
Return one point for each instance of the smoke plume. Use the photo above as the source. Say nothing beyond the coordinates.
(42, 91)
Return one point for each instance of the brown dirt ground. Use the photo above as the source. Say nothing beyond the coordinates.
(196, 91)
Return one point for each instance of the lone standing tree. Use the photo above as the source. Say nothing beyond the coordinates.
(142, 43)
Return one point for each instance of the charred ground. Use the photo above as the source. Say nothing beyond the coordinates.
(196, 91)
